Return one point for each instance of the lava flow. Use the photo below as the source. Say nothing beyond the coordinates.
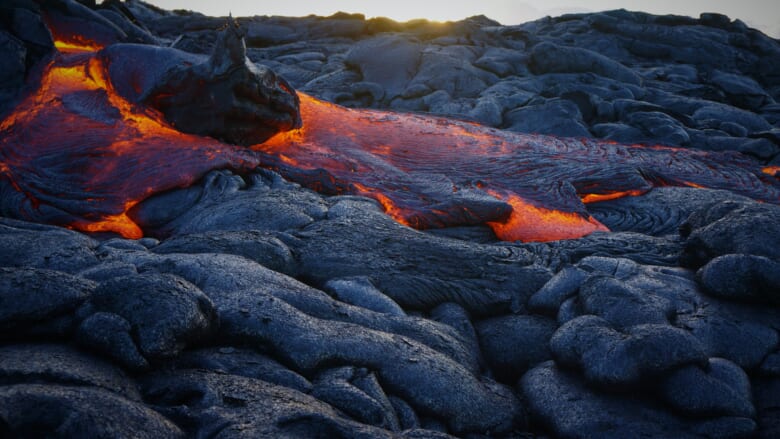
(77, 153)
(80, 155)
(434, 172)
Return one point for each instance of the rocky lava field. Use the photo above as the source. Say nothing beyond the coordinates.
(183, 254)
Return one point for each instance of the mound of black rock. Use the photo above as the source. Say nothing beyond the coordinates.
(257, 308)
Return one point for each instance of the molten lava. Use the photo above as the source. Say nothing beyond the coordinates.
(83, 156)
(76, 153)
(415, 166)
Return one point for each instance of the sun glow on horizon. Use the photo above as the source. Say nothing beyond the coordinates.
(761, 14)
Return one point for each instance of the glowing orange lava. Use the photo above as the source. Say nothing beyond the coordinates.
(415, 165)
(595, 198)
(529, 223)
(771, 170)
(89, 155)
(81, 155)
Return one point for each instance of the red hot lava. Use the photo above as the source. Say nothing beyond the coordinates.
(76, 153)
(416, 166)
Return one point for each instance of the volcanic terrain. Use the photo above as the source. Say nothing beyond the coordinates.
(350, 227)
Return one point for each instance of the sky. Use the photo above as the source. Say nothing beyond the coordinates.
(761, 14)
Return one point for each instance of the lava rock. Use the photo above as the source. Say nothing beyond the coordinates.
(513, 344)
(569, 408)
(111, 335)
(165, 313)
(744, 336)
(721, 389)
(28, 410)
(563, 285)
(550, 58)
(24, 244)
(724, 113)
(60, 364)
(622, 305)
(221, 276)
(427, 379)
(450, 72)
(743, 91)
(611, 358)
(237, 406)
(247, 103)
(244, 362)
(660, 127)
(558, 117)
(768, 406)
(446, 270)
(393, 76)
(13, 68)
(731, 227)
(359, 291)
(226, 202)
(742, 277)
(263, 248)
(357, 393)
(36, 301)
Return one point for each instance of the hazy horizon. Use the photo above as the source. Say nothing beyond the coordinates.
(761, 14)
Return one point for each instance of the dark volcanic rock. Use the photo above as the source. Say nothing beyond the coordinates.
(429, 380)
(611, 358)
(393, 70)
(263, 248)
(621, 304)
(226, 202)
(483, 279)
(568, 408)
(515, 343)
(359, 291)
(742, 277)
(563, 285)
(247, 103)
(164, 313)
(243, 362)
(235, 406)
(35, 301)
(551, 58)
(559, 117)
(731, 227)
(721, 389)
(30, 410)
(59, 364)
(25, 244)
(335, 320)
